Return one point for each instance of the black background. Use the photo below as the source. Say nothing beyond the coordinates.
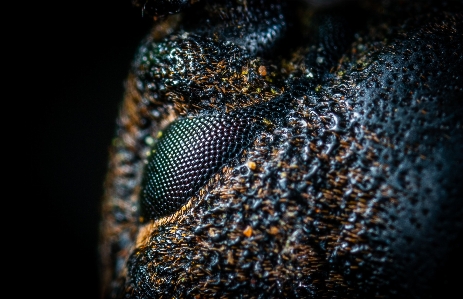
(83, 51)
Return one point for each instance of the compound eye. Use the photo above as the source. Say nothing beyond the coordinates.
(187, 155)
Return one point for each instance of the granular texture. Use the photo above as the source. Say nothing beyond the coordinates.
(333, 168)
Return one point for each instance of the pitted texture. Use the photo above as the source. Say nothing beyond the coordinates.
(257, 26)
(184, 159)
(191, 150)
(195, 73)
(350, 188)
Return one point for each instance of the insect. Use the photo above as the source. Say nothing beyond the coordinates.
(272, 149)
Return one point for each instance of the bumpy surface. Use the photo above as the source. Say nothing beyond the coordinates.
(340, 176)
(192, 150)
(189, 154)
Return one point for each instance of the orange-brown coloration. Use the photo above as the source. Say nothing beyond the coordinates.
(247, 231)
(304, 208)
(252, 165)
(262, 71)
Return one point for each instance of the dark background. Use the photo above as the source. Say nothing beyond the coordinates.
(83, 51)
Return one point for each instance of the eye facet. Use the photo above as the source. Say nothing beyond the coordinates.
(189, 152)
